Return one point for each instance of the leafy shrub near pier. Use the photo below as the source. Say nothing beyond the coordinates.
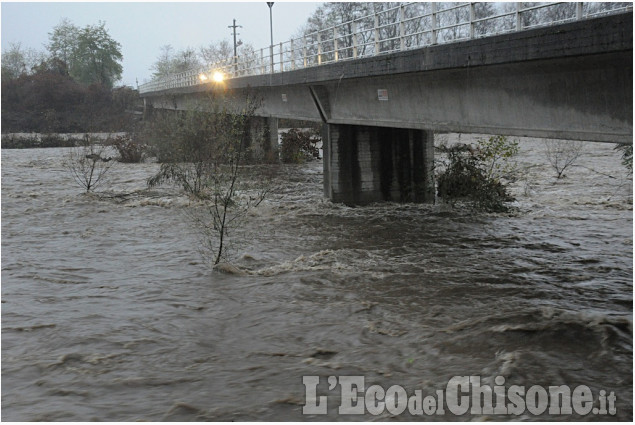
(476, 173)
(298, 146)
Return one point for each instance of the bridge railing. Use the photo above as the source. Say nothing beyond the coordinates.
(403, 27)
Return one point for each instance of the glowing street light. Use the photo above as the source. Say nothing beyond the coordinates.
(218, 77)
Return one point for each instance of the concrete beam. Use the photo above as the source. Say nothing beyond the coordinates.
(587, 37)
(572, 81)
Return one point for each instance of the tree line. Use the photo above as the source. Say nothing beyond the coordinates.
(89, 55)
(173, 61)
(68, 87)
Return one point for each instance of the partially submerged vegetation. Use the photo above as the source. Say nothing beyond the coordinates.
(298, 146)
(478, 174)
(129, 148)
(562, 154)
(88, 163)
(206, 153)
(627, 155)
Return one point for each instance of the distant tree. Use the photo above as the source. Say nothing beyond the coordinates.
(247, 57)
(51, 66)
(171, 61)
(334, 13)
(17, 61)
(343, 14)
(216, 52)
(13, 62)
(186, 59)
(91, 55)
(97, 57)
(298, 146)
(63, 41)
(163, 65)
(222, 52)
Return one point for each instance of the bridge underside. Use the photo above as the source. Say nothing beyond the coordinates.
(588, 98)
(573, 81)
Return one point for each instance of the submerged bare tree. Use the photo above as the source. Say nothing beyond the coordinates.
(211, 151)
(88, 163)
(562, 154)
(223, 215)
(226, 205)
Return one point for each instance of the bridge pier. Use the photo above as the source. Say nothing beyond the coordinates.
(364, 164)
(263, 138)
(147, 109)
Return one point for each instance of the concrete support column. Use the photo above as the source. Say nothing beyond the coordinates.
(326, 160)
(429, 188)
(263, 138)
(272, 134)
(147, 109)
(364, 164)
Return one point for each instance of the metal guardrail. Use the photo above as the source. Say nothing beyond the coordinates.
(404, 27)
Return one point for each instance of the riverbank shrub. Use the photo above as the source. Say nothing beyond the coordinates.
(477, 174)
(130, 150)
(298, 146)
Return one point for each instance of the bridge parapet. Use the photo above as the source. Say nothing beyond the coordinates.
(405, 27)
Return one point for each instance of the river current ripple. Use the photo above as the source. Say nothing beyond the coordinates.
(110, 313)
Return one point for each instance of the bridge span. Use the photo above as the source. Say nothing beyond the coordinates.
(568, 81)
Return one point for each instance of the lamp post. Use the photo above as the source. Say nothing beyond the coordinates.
(270, 4)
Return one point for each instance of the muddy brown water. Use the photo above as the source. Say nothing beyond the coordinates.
(110, 313)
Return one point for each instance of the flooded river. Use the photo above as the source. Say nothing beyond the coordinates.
(110, 313)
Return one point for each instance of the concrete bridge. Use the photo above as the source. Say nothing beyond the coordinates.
(567, 81)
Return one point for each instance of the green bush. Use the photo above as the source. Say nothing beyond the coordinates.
(298, 146)
(475, 173)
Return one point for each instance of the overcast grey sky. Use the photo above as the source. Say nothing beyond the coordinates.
(143, 27)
